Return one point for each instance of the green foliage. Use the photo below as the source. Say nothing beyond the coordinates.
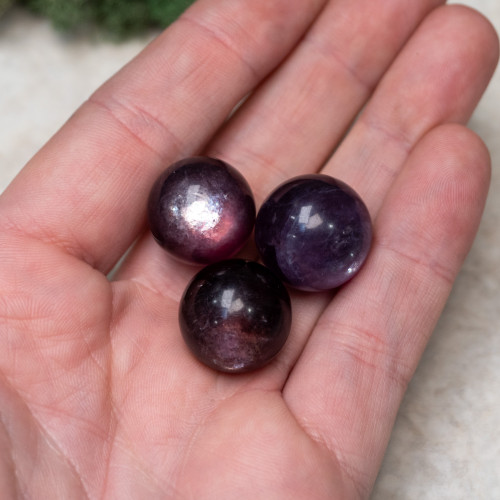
(166, 11)
(4, 5)
(120, 18)
(66, 14)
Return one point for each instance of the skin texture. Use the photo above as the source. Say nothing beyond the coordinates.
(99, 396)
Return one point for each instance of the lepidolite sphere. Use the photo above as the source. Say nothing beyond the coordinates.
(235, 315)
(201, 210)
(314, 232)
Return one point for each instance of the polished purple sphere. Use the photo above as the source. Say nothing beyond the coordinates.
(314, 232)
(201, 210)
(235, 315)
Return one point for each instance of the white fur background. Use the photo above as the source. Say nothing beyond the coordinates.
(446, 442)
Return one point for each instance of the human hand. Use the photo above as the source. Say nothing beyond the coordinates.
(99, 397)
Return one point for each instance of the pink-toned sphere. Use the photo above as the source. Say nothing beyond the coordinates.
(201, 210)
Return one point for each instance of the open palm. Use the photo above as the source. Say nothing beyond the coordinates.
(99, 397)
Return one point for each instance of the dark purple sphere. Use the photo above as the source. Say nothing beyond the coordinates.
(314, 232)
(235, 315)
(201, 210)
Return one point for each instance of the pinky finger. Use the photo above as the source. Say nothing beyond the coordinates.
(348, 384)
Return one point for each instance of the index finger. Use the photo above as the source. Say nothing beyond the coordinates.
(85, 190)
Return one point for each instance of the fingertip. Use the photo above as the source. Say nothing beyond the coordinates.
(462, 156)
(475, 24)
(433, 211)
